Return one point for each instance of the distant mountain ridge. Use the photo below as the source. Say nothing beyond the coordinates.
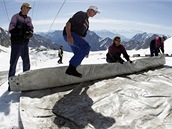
(138, 41)
(94, 40)
(53, 40)
(35, 41)
(4, 38)
(109, 34)
(140, 37)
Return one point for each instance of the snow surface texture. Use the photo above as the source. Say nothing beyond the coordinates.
(142, 101)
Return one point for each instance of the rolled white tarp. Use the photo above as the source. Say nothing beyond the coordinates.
(54, 77)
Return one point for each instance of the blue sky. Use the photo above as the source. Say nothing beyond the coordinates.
(152, 16)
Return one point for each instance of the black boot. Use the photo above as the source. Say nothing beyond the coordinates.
(71, 70)
(9, 89)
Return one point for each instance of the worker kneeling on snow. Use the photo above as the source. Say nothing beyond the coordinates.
(115, 50)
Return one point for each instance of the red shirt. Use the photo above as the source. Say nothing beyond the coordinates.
(116, 51)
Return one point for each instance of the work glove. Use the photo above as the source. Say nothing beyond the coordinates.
(130, 61)
(28, 34)
(86, 56)
(121, 62)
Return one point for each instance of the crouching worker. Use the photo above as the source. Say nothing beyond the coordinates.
(115, 50)
(153, 46)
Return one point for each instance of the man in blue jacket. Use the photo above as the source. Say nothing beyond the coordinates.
(74, 33)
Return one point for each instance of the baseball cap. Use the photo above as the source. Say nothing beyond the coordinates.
(94, 8)
(26, 5)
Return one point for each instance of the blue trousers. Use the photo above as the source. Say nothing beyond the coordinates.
(80, 48)
(18, 50)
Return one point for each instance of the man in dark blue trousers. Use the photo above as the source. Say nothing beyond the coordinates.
(21, 30)
(74, 33)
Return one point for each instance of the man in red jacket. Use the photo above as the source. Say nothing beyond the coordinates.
(160, 45)
(115, 50)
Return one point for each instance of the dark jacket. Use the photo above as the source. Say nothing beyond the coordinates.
(153, 48)
(79, 24)
(60, 52)
(21, 28)
(114, 54)
(153, 44)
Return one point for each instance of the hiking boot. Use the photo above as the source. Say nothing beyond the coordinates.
(60, 62)
(71, 70)
(9, 89)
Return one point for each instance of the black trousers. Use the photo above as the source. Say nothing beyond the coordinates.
(113, 59)
(153, 50)
(60, 60)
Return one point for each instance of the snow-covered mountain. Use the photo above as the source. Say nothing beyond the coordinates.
(4, 38)
(97, 42)
(54, 39)
(140, 41)
(141, 37)
(128, 33)
(38, 41)
(105, 42)
(35, 41)
(106, 33)
(94, 40)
